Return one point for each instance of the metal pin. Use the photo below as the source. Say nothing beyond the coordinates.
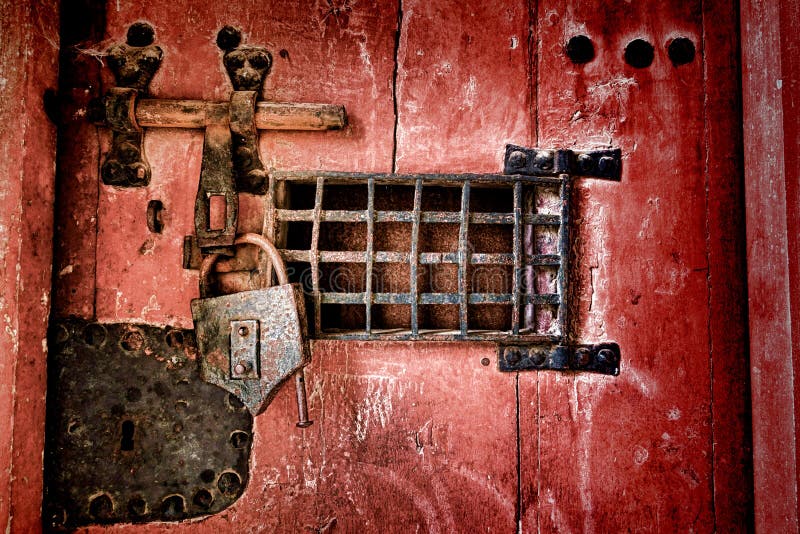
(302, 404)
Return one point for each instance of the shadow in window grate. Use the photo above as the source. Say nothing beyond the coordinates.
(473, 257)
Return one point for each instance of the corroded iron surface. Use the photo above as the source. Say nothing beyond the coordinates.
(133, 433)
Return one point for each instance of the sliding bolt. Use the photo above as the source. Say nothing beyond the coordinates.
(302, 402)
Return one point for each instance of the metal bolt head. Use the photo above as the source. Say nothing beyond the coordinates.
(244, 331)
(605, 356)
(586, 162)
(513, 355)
(517, 159)
(485, 361)
(606, 164)
(582, 357)
(538, 357)
(241, 368)
(543, 160)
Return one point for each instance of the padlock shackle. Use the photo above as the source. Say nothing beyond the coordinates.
(246, 239)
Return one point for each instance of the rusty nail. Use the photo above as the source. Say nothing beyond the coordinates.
(513, 355)
(605, 355)
(302, 402)
(606, 164)
(485, 361)
(586, 162)
(242, 367)
(543, 160)
(582, 357)
(517, 159)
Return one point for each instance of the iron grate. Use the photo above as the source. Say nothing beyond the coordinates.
(525, 276)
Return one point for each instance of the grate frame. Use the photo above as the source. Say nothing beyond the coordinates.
(523, 257)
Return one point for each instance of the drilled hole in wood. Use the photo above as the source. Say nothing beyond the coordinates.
(639, 54)
(681, 51)
(580, 49)
(126, 442)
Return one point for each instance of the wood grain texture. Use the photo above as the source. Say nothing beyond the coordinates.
(770, 92)
(632, 452)
(29, 58)
(462, 85)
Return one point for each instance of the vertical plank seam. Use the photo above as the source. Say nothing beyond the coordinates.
(394, 82)
(707, 236)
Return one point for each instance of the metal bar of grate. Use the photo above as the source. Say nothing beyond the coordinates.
(433, 298)
(453, 217)
(517, 257)
(314, 255)
(370, 254)
(425, 258)
(414, 268)
(463, 233)
(563, 251)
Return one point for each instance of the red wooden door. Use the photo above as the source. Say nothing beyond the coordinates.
(420, 435)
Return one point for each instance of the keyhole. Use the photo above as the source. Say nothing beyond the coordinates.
(126, 444)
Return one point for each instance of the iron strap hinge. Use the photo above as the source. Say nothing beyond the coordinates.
(601, 163)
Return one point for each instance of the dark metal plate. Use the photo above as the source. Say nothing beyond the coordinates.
(133, 433)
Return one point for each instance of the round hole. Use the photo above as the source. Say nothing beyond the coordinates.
(485, 361)
(239, 439)
(101, 507)
(173, 508)
(203, 499)
(132, 340)
(175, 339)
(133, 394)
(94, 335)
(229, 483)
(73, 426)
(580, 49)
(140, 34)
(207, 476)
(243, 331)
(639, 54)
(681, 51)
(229, 38)
(137, 507)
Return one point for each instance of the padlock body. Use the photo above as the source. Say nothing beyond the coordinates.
(250, 342)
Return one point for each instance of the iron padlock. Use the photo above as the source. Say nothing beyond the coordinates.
(251, 342)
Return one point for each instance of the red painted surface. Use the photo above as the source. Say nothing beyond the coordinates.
(638, 450)
(422, 435)
(770, 78)
(28, 54)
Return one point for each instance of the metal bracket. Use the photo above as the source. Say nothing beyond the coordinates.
(602, 163)
(216, 230)
(133, 433)
(603, 358)
(134, 63)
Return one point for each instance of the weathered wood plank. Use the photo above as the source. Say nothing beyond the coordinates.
(631, 452)
(770, 71)
(29, 59)
(462, 85)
